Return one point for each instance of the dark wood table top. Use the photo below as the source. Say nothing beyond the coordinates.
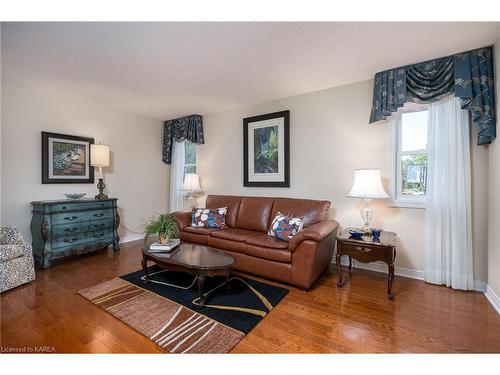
(385, 239)
(194, 256)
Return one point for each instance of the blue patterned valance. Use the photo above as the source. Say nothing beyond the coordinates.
(189, 128)
(468, 75)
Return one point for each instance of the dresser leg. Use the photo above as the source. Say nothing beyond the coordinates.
(116, 245)
(46, 263)
(390, 278)
(339, 270)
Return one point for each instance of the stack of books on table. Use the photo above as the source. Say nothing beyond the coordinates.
(169, 247)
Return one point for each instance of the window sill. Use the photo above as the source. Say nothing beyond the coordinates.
(403, 204)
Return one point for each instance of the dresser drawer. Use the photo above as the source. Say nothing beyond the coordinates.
(72, 235)
(82, 206)
(81, 217)
(81, 245)
(365, 253)
(81, 229)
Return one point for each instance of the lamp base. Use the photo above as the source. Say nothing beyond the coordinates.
(367, 215)
(101, 186)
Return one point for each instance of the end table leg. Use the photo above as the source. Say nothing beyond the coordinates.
(145, 268)
(350, 263)
(201, 281)
(390, 277)
(339, 270)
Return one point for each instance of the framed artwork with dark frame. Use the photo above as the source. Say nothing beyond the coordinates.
(66, 159)
(266, 150)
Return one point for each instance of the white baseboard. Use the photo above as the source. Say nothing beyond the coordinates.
(133, 237)
(382, 267)
(479, 286)
(493, 298)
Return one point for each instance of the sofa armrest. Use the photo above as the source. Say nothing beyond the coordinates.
(183, 219)
(315, 232)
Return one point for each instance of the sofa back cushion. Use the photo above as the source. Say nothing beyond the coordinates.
(313, 211)
(255, 213)
(231, 202)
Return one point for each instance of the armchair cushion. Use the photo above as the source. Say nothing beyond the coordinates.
(9, 252)
(315, 232)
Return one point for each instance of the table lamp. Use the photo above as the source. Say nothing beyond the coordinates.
(99, 157)
(367, 185)
(191, 186)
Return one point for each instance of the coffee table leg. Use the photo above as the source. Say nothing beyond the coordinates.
(201, 281)
(145, 268)
(228, 277)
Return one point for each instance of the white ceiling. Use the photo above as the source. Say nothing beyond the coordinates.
(165, 70)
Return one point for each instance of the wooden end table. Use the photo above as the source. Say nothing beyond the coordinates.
(368, 249)
(198, 260)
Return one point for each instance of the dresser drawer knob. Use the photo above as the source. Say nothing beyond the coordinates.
(71, 229)
(71, 218)
(363, 249)
(98, 215)
(71, 240)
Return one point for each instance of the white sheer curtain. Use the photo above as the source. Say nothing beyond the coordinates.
(448, 250)
(177, 177)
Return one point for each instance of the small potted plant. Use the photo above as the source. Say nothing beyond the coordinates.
(163, 226)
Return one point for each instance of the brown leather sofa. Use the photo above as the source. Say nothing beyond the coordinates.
(298, 262)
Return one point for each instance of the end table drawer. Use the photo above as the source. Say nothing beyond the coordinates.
(365, 253)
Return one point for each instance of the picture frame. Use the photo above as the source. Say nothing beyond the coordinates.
(66, 159)
(266, 150)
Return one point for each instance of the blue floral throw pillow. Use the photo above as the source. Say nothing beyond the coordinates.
(209, 218)
(285, 227)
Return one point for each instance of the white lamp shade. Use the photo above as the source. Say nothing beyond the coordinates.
(191, 182)
(99, 155)
(367, 184)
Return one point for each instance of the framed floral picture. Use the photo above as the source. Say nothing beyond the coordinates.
(266, 147)
(66, 159)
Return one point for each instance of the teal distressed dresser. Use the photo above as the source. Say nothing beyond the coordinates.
(70, 227)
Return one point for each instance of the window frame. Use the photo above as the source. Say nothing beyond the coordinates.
(186, 165)
(397, 199)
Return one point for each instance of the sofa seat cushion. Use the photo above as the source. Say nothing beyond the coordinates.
(268, 253)
(233, 234)
(204, 231)
(267, 241)
(9, 252)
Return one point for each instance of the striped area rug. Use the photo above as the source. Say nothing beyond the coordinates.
(172, 326)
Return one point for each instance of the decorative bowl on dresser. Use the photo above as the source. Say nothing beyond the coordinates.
(62, 228)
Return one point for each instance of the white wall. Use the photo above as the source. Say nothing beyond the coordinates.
(137, 176)
(330, 137)
(494, 199)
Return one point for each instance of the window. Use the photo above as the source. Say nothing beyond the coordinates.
(409, 133)
(190, 157)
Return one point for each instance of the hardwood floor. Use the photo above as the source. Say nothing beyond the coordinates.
(355, 319)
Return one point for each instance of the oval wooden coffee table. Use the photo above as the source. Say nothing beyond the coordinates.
(198, 260)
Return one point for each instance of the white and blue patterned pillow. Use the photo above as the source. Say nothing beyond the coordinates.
(209, 218)
(285, 227)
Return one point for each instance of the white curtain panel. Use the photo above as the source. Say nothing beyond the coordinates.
(177, 177)
(448, 232)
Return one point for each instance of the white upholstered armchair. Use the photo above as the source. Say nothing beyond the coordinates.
(16, 259)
